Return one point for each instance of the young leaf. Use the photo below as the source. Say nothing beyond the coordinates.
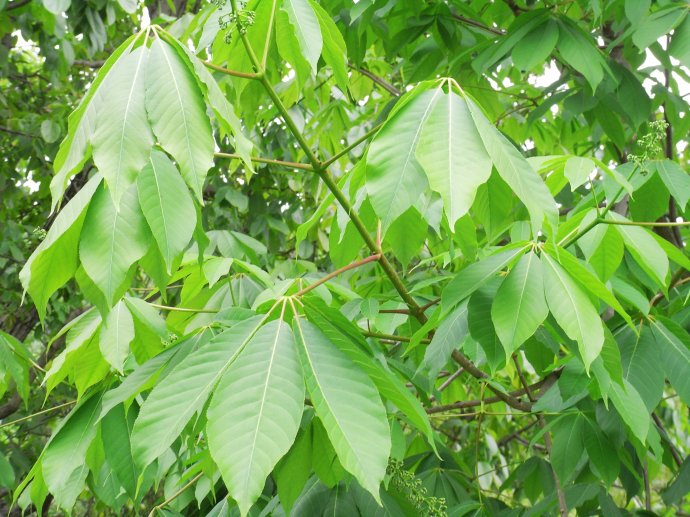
(568, 436)
(177, 112)
(639, 358)
(673, 348)
(573, 310)
(184, 391)
(167, 206)
(348, 405)
(55, 260)
(116, 430)
(334, 51)
(112, 240)
(520, 307)
(452, 154)
(255, 412)
(122, 138)
(677, 181)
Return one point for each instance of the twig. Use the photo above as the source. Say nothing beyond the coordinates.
(270, 161)
(333, 274)
(175, 495)
(183, 309)
(42, 412)
(350, 147)
(378, 80)
(234, 73)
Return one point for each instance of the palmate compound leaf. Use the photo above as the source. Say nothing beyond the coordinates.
(112, 240)
(173, 402)
(167, 206)
(573, 310)
(452, 154)
(74, 149)
(55, 260)
(122, 138)
(255, 412)
(520, 306)
(348, 405)
(177, 112)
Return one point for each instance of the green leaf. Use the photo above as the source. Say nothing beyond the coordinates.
(112, 240)
(568, 447)
(294, 470)
(255, 412)
(586, 279)
(394, 178)
(644, 249)
(177, 113)
(573, 310)
(334, 51)
(74, 149)
(654, 26)
(305, 28)
(602, 454)
(640, 361)
(448, 337)
(520, 307)
(677, 181)
(184, 391)
(64, 457)
(117, 333)
(631, 408)
(116, 430)
(577, 170)
(578, 50)
(347, 337)
(535, 48)
(122, 138)
(452, 154)
(167, 206)
(347, 403)
(673, 351)
(218, 102)
(55, 260)
(476, 275)
(515, 171)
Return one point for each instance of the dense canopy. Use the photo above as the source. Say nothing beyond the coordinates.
(384, 257)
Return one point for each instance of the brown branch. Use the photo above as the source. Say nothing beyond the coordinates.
(664, 435)
(15, 132)
(16, 5)
(478, 25)
(333, 274)
(378, 80)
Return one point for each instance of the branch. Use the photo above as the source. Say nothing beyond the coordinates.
(478, 25)
(350, 147)
(270, 161)
(378, 80)
(183, 309)
(28, 417)
(234, 73)
(645, 223)
(15, 132)
(175, 495)
(16, 5)
(392, 337)
(89, 64)
(333, 274)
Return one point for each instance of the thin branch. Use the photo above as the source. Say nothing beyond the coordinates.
(15, 132)
(234, 73)
(664, 435)
(183, 309)
(333, 274)
(378, 80)
(270, 161)
(350, 147)
(88, 63)
(392, 337)
(16, 5)
(176, 494)
(478, 25)
(42, 412)
(645, 223)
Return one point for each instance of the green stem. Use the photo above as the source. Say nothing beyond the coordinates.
(350, 147)
(182, 309)
(333, 274)
(234, 73)
(269, 161)
(645, 223)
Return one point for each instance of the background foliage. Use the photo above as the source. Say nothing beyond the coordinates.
(385, 257)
